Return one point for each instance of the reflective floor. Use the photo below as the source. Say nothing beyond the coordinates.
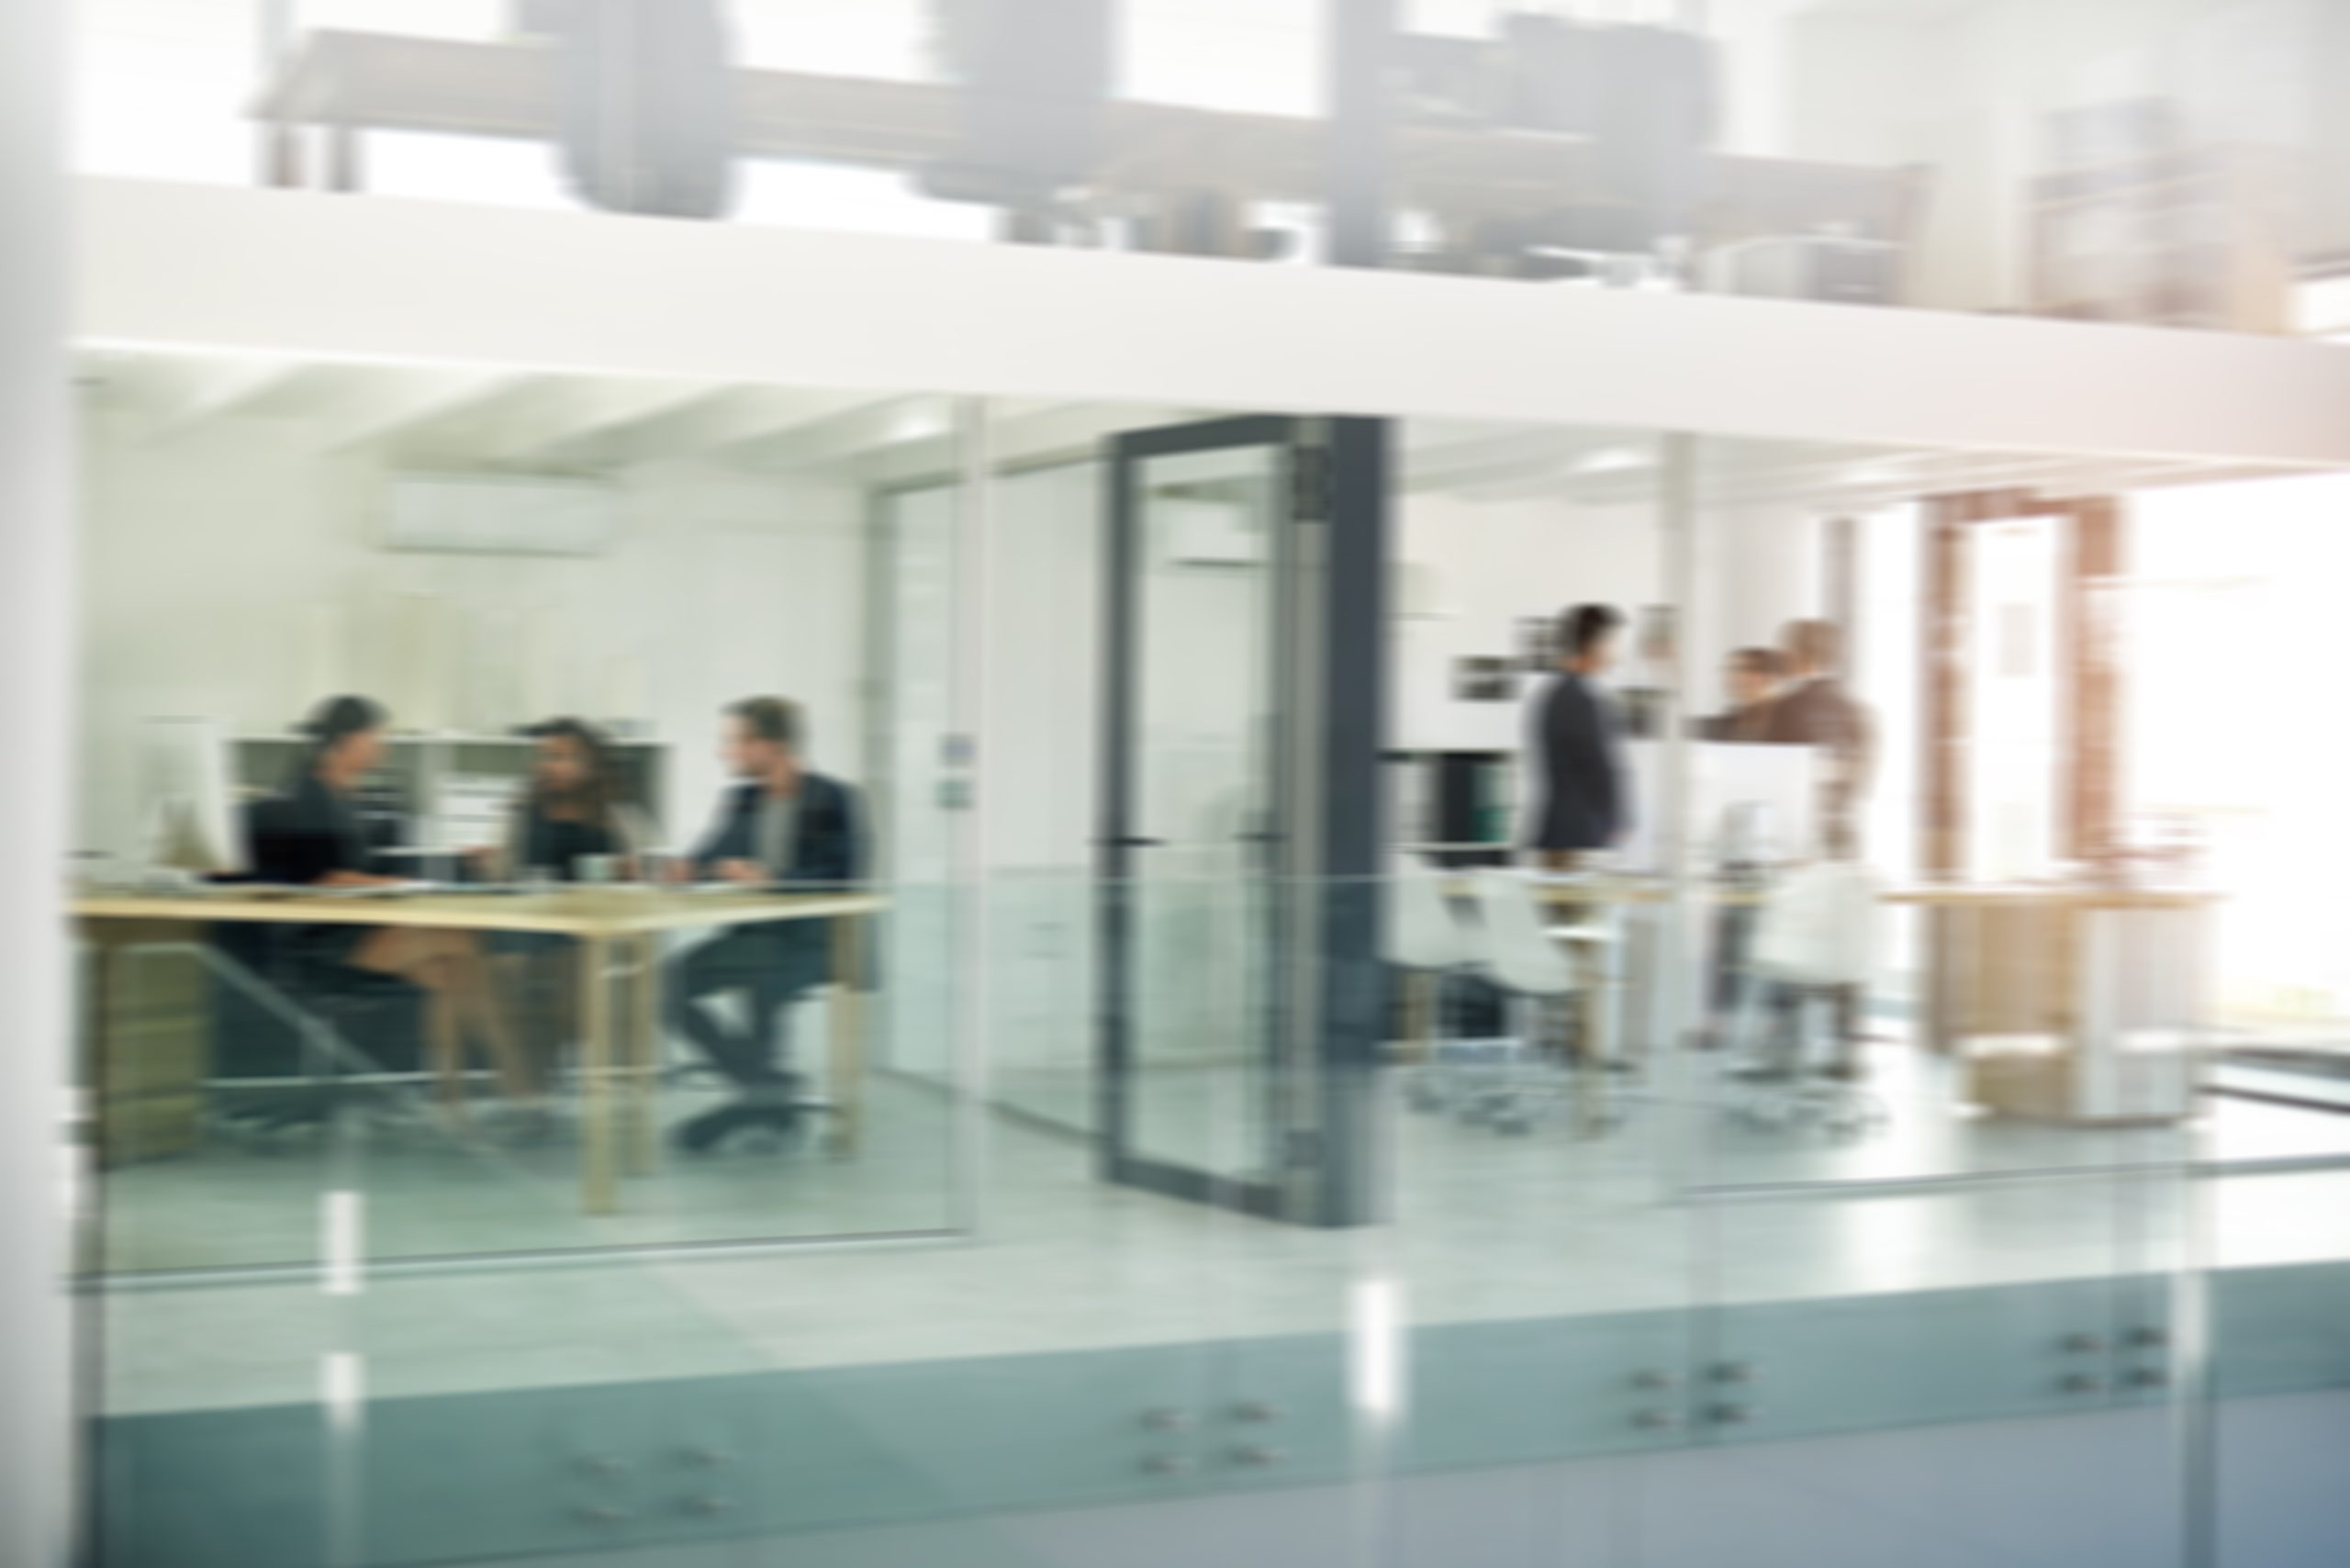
(1487, 1226)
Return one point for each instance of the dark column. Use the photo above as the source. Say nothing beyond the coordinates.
(1354, 662)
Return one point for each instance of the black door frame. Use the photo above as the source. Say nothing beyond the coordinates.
(1118, 841)
(1324, 1016)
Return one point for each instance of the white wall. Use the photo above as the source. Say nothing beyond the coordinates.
(1757, 567)
(230, 572)
(1044, 687)
(1494, 563)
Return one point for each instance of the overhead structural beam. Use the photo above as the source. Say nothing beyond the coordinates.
(308, 275)
(1053, 433)
(382, 405)
(1457, 464)
(571, 419)
(733, 421)
(869, 427)
(185, 393)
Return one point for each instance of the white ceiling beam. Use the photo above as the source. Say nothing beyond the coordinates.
(311, 275)
(734, 420)
(1022, 435)
(183, 392)
(574, 418)
(851, 434)
(1456, 463)
(384, 405)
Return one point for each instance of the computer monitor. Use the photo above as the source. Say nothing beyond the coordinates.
(192, 822)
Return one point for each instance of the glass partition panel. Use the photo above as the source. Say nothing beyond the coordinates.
(1872, 1368)
(2172, 165)
(618, 898)
(2279, 1287)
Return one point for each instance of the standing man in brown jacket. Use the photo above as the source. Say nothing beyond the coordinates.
(1813, 709)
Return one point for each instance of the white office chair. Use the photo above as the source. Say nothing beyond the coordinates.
(1818, 928)
(1517, 954)
(1425, 940)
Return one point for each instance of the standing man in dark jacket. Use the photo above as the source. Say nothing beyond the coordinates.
(1574, 740)
(781, 825)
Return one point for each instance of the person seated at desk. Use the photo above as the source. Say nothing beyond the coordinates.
(570, 813)
(572, 809)
(315, 838)
(785, 825)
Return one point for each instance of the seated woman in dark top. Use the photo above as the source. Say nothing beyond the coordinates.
(318, 840)
(571, 807)
(570, 810)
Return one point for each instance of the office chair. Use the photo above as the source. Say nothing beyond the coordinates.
(1818, 928)
(1516, 953)
(295, 1040)
(809, 1102)
(291, 1048)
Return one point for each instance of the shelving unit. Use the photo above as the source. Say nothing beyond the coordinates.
(451, 789)
(2131, 224)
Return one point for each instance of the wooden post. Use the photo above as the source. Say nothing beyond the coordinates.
(846, 1089)
(598, 1177)
(644, 1055)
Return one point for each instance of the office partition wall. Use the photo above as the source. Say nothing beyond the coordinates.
(1232, 1054)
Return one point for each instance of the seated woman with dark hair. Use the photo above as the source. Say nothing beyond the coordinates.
(570, 810)
(318, 841)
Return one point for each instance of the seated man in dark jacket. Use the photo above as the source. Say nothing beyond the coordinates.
(781, 825)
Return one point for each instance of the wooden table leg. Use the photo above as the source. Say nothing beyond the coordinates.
(847, 1089)
(1420, 1015)
(598, 1179)
(645, 1055)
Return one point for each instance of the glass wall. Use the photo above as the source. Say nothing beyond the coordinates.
(1762, 1180)
(586, 631)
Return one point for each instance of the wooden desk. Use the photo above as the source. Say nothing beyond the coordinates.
(2055, 988)
(617, 929)
(2063, 973)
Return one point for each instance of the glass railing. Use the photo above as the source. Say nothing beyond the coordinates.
(2169, 166)
(1730, 1317)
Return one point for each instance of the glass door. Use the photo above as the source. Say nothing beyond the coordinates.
(1202, 1030)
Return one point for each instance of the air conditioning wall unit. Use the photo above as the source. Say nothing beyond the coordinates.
(499, 514)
